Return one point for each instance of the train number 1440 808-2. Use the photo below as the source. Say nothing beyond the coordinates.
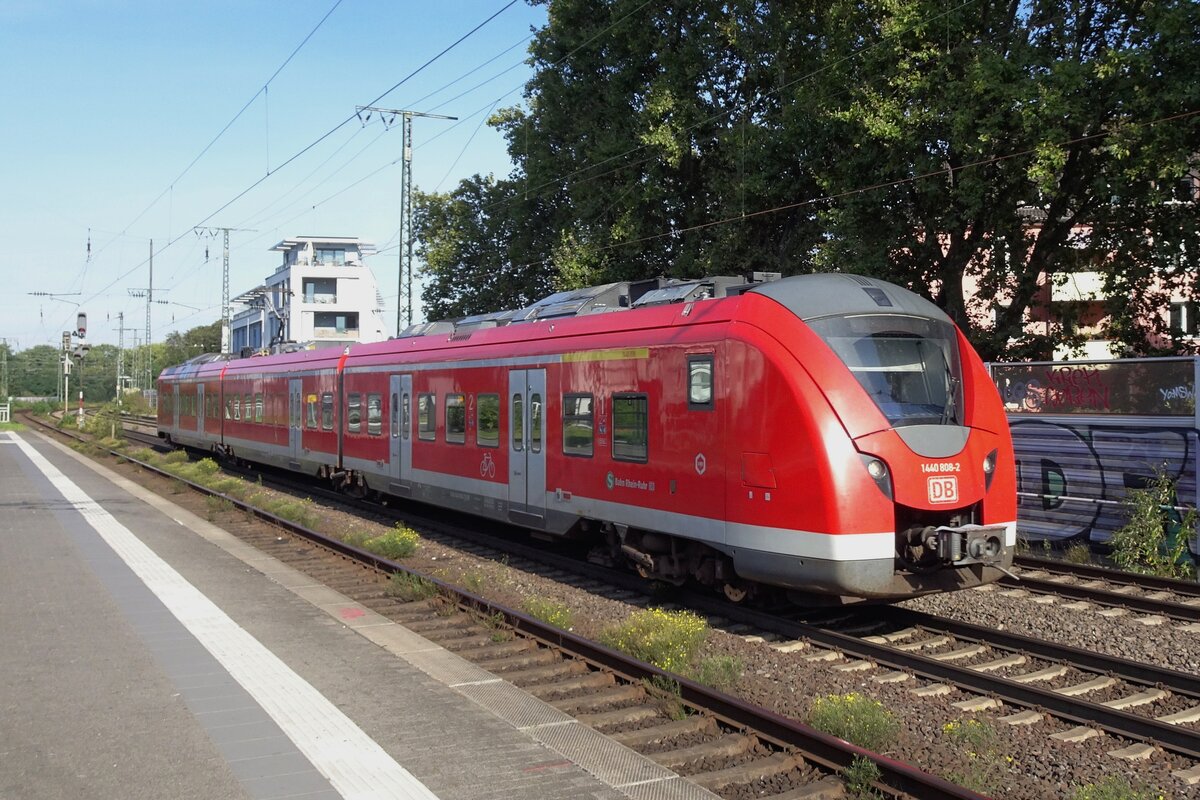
(941, 467)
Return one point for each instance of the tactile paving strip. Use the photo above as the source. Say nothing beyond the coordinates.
(513, 705)
(612, 763)
(448, 668)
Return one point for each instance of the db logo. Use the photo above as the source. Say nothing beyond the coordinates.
(943, 489)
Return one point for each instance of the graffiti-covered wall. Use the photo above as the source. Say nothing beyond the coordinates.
(1085, 433)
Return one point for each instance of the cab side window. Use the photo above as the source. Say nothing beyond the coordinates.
(700, 382)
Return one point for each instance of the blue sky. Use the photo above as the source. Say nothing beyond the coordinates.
(106, 102)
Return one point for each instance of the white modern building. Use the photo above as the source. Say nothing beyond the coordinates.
(323, 293)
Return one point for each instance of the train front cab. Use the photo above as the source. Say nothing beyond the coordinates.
(914, 491)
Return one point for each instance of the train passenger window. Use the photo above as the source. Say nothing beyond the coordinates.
(311, 417)
(577, 424)
(374, 414)
(518, 423)
(700, 382)
(228, 408)
(535, 423)
(405, 417)
(426, 417)
(247, 408)
(487, 423)
(258, 407)
(456, 419)
(354, 412)
(237, 408)
(631, 427)
(327, 412)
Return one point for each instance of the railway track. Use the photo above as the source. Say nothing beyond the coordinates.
(720, 743)
(1075, 694)
(1085, 583)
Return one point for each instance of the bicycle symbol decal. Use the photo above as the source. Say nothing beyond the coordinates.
(487, 467)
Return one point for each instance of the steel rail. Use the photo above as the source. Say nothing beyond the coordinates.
(1107, 597)
(1176, 585)
(1135, 672)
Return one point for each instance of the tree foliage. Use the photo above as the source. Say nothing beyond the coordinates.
(959, 149)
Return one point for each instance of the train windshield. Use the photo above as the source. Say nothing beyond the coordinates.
(908, 365)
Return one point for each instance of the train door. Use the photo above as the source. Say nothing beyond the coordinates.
(175, 406)
(295, 420)
(400, 406)
(526, 439)
(200, 409)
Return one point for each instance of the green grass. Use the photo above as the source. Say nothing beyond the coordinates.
(667, 639)
(409, 587)
(1115, 788)
(984, 767)
(719, 672)
(11, 426)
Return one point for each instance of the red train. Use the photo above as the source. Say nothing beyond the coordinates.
(830, 434)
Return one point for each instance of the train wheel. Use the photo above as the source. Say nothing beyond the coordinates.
(736, 593)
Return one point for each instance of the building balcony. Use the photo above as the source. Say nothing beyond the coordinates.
(348, 334)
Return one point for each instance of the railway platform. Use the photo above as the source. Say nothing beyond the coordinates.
(148, 654)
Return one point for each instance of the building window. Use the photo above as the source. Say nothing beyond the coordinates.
(700, 382)
(327, 411)
(456, 419)
(577, 424)
(487, 424)
(374, 414)
(354, 412)
(426, 417)
(320, 290)
(1184, 318)
(631, 427)
(333, 321)
(330, 257)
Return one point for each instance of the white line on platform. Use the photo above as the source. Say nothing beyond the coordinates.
(356, 766)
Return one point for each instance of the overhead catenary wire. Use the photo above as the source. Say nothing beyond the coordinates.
(307, 148)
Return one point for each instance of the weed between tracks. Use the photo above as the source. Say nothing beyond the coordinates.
(855, 718)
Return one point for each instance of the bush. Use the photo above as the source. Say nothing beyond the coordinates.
(859, 776)
(855, 718)
(398, 543)
(104, 423)
(667, 639)
(549, 611)
(1155, 539)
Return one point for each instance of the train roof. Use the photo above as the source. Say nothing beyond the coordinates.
(842, 293)
(591, 309)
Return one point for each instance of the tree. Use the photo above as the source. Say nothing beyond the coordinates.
(1009, 141)
(964, 150)
(179, 347)
(34, 372)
